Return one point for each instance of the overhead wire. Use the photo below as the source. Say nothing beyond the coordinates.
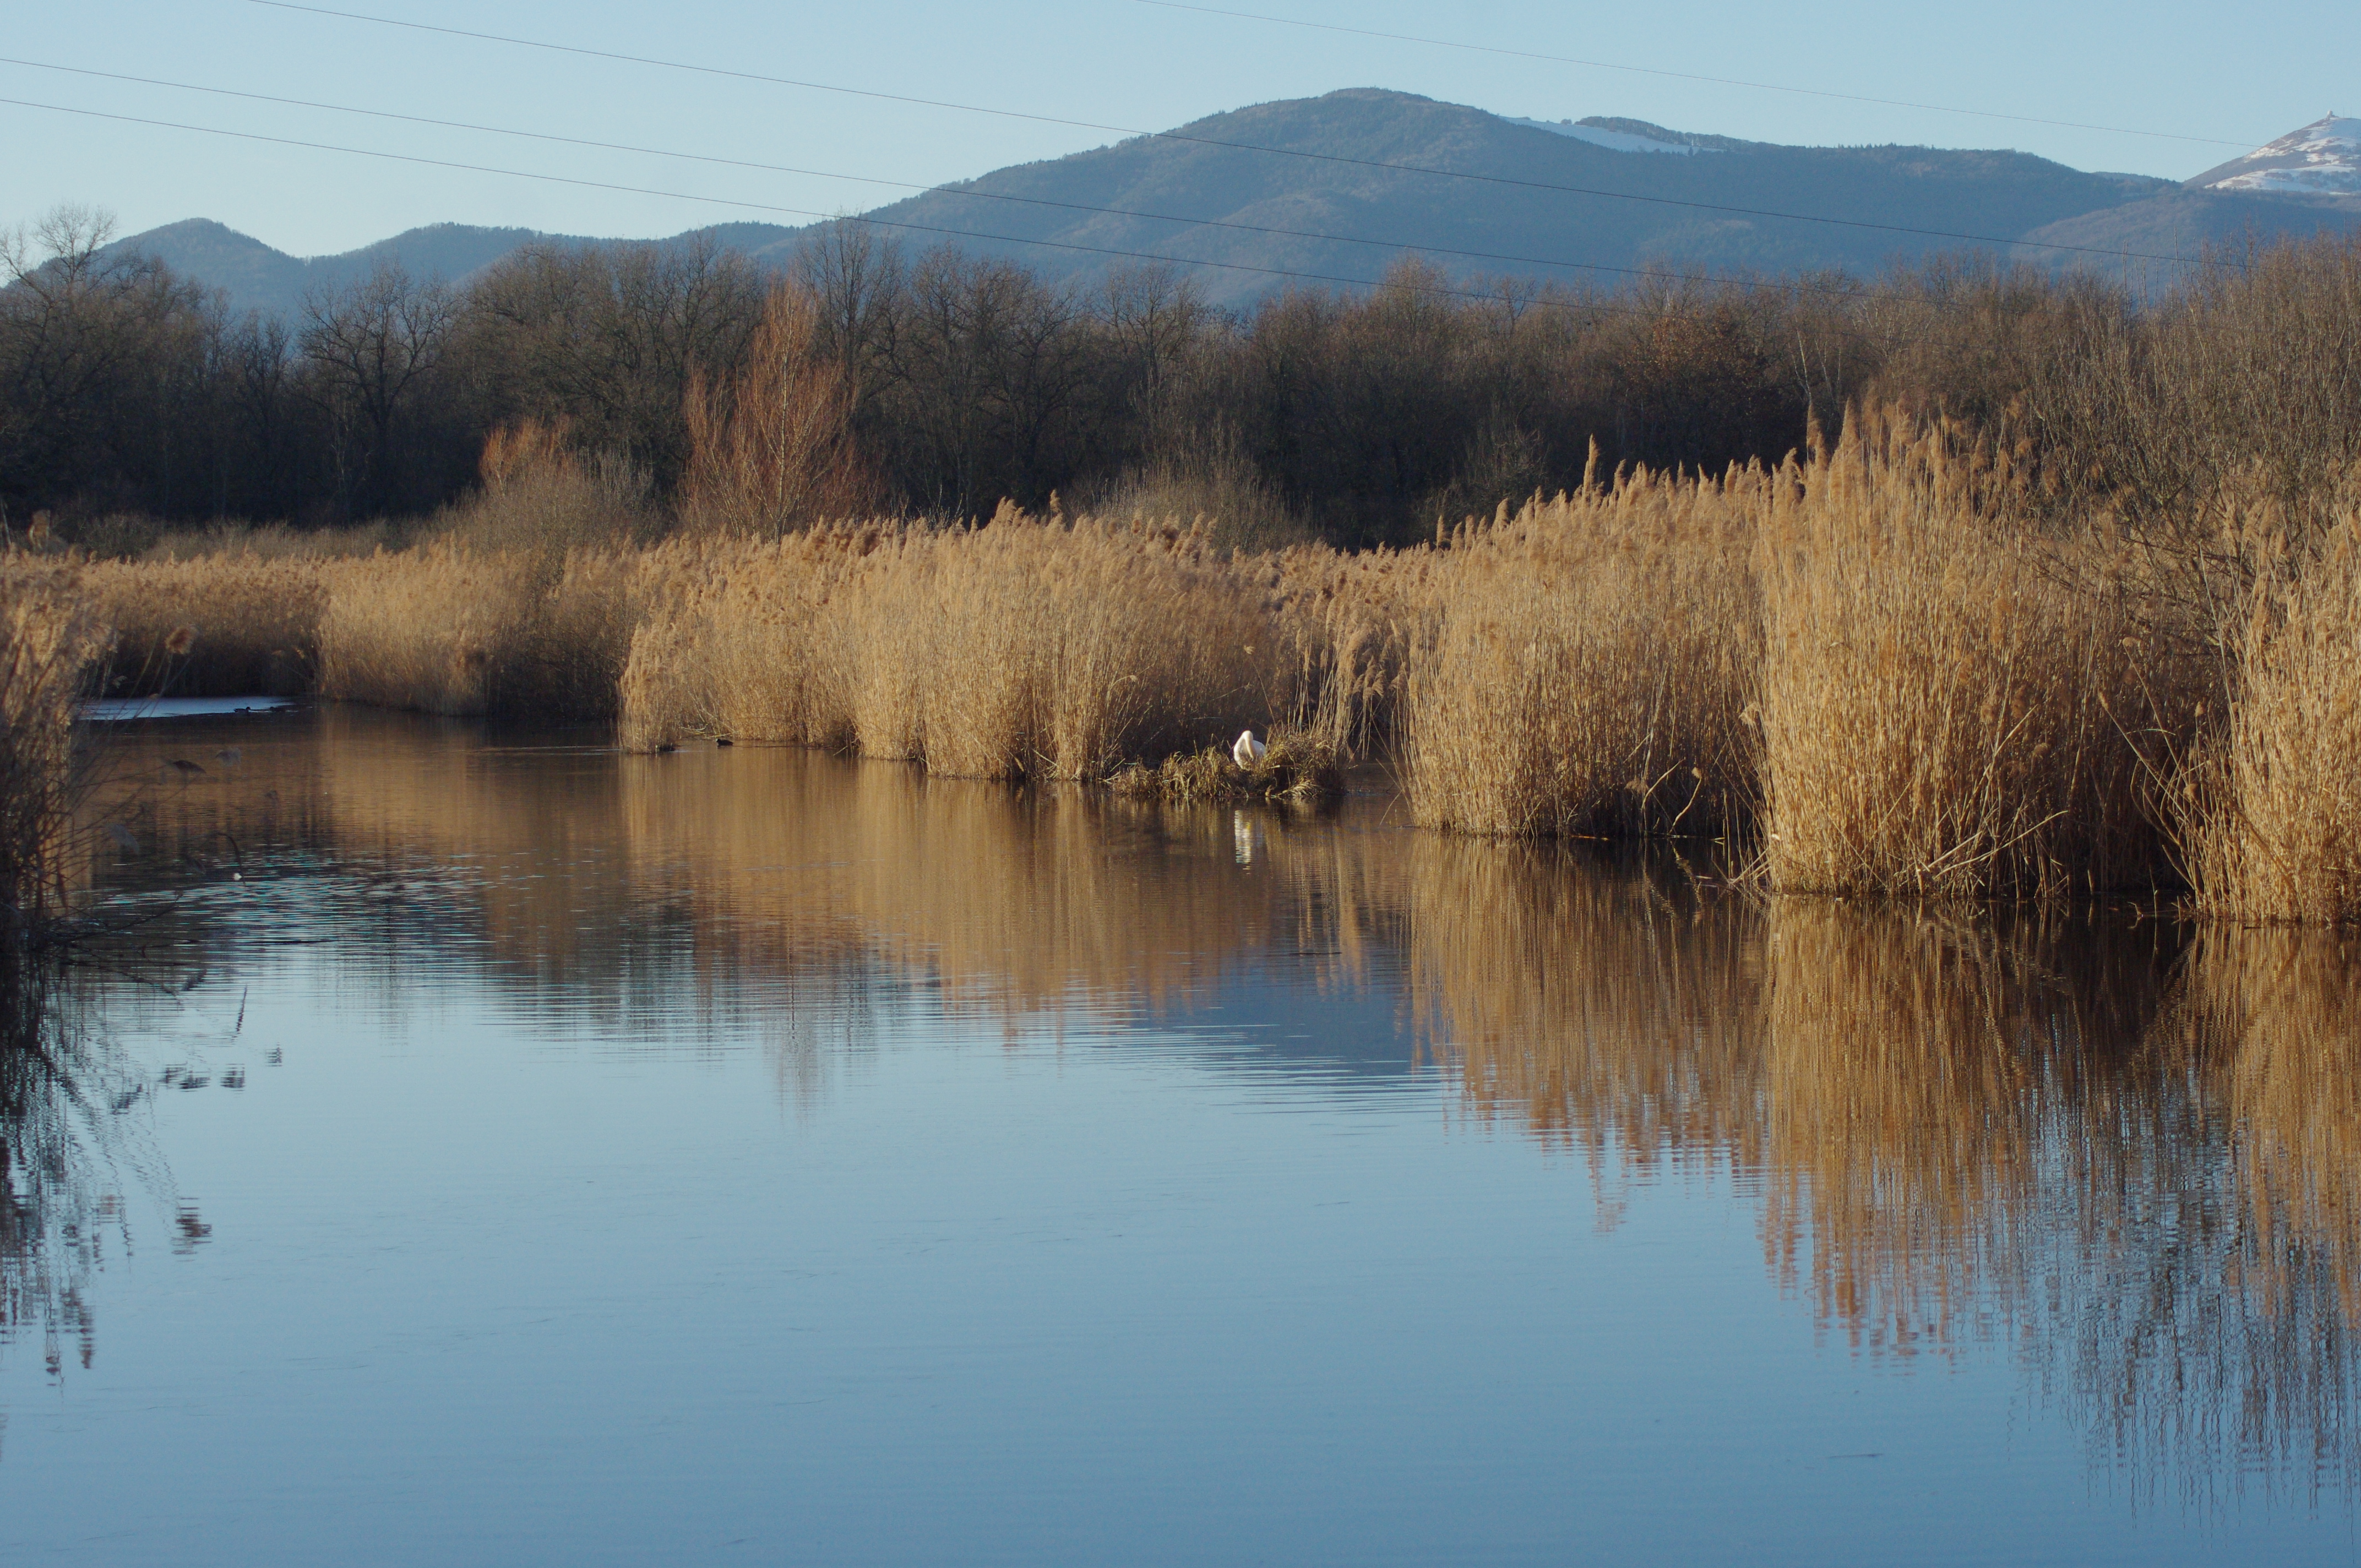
(1183, 137)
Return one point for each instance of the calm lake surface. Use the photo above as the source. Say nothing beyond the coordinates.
(504, 1151)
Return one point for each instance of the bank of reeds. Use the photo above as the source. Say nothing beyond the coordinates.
(234, 623)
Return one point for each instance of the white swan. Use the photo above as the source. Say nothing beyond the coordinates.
(1248, 752)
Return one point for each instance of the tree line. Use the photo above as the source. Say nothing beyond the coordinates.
(963, 380)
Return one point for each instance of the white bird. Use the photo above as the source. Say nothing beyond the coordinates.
(1248, 752)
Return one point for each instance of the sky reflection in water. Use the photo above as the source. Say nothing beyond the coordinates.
(559, 1157)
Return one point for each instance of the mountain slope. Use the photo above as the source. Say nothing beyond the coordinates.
(2189, 224)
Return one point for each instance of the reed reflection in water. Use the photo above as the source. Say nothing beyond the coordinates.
(2130, 1159)
(73, 1137)
(2132, 1162)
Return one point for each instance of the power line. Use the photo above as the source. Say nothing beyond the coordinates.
(1685, 75)
(1600, 307)
(904, 184)
(1212, 141)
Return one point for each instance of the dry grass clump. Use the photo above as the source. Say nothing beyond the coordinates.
(1208, 476)
(544, 498)
(1296, 767)
(1588, 662)
(50, 639)
(1941, 714)
(2276, 808)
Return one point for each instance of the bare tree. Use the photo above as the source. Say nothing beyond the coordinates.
(65, 335)
(372, 348)
(857, 282)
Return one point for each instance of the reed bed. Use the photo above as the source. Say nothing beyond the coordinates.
(1880, 669)
(1586, 664)
(447, 628)
(1944, 712)
(2276, 807)
(1034, 647)
(235, 623)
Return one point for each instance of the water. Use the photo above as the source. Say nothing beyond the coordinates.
(529, 1154)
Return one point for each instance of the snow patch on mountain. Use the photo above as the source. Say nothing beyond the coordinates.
(2324, 158)
(1621, 141)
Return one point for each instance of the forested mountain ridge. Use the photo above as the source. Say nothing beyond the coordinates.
(1556, 200)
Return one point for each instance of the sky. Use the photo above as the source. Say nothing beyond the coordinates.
(2182, 88)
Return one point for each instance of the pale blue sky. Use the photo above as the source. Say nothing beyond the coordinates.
(2210, 72)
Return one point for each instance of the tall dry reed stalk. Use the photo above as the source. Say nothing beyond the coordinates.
(1942, 715)
(50, 639)
(1588, 664)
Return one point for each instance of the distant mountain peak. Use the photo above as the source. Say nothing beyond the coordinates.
(2322, 158)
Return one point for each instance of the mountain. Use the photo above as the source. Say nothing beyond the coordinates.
(2307, 182)
(1630, 202)
(257, 277)
(2324, 158)
(1312, 188)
